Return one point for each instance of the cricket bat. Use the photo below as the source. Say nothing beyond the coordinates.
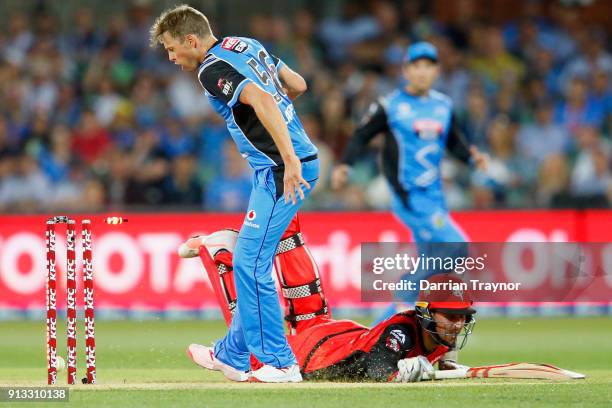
(512, 370)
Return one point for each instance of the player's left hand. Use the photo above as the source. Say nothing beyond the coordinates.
(481, 159)
(293, 180)
(412, 369)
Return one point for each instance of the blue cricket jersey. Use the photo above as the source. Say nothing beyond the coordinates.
(232, 63)
(417, 131)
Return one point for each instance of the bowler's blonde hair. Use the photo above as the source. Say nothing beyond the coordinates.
(178, 22)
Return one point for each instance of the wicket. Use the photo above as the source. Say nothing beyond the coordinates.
(71, 308)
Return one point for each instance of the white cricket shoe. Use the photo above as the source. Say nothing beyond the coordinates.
(205, 357)
(224, 239)
(269, 374)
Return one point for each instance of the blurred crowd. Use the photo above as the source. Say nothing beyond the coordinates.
(93, 119)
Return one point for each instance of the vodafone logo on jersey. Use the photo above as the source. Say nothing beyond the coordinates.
(251, 215)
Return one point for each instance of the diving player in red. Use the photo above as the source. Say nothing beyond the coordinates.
(401, 348)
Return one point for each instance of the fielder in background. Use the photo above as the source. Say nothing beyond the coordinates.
(418, 124)
(253, 91)
(401, 348)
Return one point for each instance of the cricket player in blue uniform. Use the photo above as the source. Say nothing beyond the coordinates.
(418, 124)
(253, 91)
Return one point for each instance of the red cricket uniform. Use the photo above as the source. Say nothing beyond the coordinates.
(345, 350)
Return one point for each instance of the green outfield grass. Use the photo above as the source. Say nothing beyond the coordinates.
(144, 364)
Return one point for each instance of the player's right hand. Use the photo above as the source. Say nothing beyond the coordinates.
(339, 176)
(412, 369)
(293, 180)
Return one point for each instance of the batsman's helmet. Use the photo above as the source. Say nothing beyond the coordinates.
(452, 299)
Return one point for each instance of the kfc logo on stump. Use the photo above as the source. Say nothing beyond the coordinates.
(225, 86)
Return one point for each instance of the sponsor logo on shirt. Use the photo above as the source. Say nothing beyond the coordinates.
(229, 43)
(404, 110)
(428, 129)
(393, 344)
(251, 224)
(251, 215)
(399, 335)
(240, 47)
(234, 44)
(225, 86)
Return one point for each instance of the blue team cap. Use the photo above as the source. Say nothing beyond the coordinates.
(421, 50)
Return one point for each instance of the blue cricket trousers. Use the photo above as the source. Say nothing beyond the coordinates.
(257, 326)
